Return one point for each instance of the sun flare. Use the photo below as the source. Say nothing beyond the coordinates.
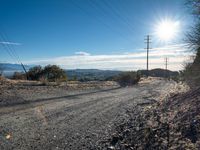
(167, 29)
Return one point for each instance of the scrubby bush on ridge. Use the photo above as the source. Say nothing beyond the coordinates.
(35, 73)
(51, 73)
(54, 73)
(128, 78)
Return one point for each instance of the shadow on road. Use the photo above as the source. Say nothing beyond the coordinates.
(56, 98)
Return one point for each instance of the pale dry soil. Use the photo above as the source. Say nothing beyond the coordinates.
(41, 119)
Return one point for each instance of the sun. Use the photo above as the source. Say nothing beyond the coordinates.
(167, 29)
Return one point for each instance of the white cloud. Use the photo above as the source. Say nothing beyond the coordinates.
(81, 53)
(177, 54)
(10, 43)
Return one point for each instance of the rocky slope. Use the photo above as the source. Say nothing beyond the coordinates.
(170, 123)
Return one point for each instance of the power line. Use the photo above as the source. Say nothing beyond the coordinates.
(96, 6)
(5, 46)
(117, 14)
(8, 48)
(11, 51)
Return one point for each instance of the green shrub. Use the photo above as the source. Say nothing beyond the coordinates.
(54, 73)
(128, 78)
(50, 73)
(191, 72)
(35, 73)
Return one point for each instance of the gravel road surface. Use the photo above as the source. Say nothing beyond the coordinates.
(75, 121)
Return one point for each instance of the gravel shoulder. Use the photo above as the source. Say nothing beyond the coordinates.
(56, 118)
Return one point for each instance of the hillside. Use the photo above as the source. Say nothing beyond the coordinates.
(159, 73)
(91, 74)
(169, 123)
(13, 67)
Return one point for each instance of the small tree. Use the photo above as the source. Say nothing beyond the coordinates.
(50, 73)
(192, 71)
(54, 73)
(35, 73)
(128, 78)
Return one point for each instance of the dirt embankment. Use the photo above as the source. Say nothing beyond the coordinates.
(173, 122)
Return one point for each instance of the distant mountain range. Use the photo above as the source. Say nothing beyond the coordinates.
(87, 74)
(91, 74)
(13, 67)
(79, 74)
(9, 69)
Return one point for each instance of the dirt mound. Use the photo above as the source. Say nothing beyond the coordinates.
(170, 124)
(4, 81)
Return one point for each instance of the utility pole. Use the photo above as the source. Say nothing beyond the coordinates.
(25, 71)
(166, 64)
(147, 41)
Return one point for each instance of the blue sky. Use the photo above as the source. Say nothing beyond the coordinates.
(102, 34)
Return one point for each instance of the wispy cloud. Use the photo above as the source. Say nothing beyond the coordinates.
(127, 61)
(81, 53)
(9, 43)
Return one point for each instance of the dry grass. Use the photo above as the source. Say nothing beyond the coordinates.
(149, 80)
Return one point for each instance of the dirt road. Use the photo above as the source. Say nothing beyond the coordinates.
(76, 121)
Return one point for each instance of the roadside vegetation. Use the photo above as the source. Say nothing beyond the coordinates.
(53, 73)
(50, 73)
(191, 72)
(127, 78)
